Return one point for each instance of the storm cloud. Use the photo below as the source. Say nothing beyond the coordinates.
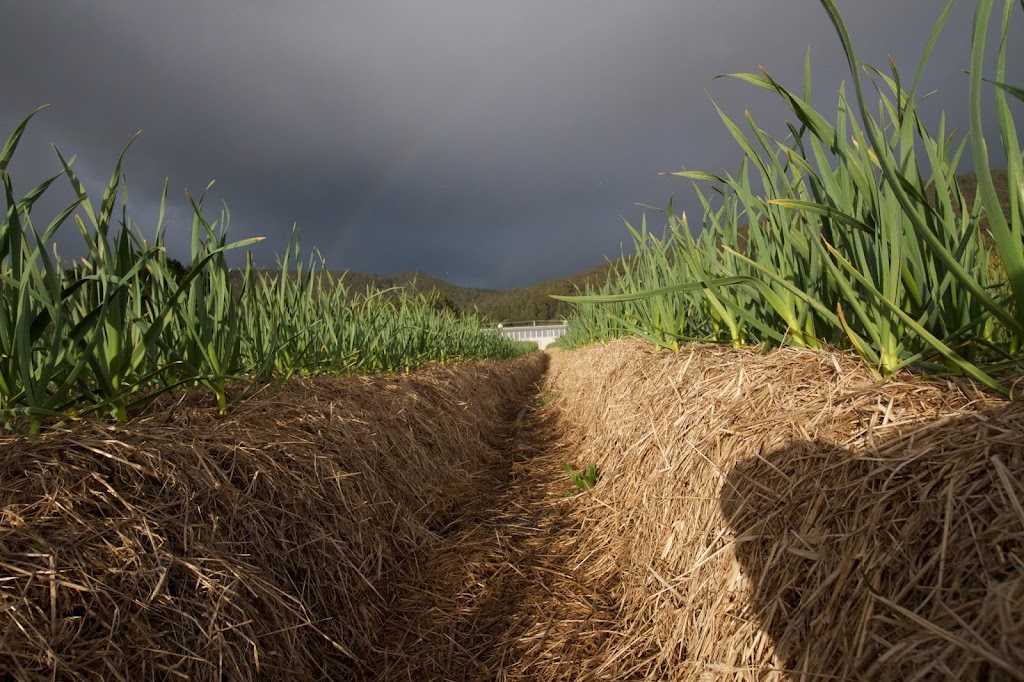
(494, 144)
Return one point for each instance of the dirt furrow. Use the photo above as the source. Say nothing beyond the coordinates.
(499, 586)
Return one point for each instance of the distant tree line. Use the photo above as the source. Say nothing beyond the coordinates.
(512, 305)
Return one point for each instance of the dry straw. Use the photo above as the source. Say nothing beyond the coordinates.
(788, 515)
(267, 544)
(757, 517)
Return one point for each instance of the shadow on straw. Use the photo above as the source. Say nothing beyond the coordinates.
(897, 562)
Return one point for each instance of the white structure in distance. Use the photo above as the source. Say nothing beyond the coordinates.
(542, 333)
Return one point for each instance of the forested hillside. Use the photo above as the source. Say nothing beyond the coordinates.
(513, 305)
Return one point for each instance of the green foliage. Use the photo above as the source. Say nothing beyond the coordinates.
(853, 233)
(126, 323)
(583, 480)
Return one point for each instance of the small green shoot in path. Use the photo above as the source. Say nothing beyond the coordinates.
(583, 480)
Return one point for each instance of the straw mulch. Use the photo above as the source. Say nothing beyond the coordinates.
(787, 515)
(276, 543)
(757, 517)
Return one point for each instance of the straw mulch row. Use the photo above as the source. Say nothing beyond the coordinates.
(273, 543)
(758, 517)
(780, 515)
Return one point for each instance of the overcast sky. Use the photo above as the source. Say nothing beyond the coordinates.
(494, 144)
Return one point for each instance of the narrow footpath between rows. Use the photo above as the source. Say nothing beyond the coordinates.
(494, 599)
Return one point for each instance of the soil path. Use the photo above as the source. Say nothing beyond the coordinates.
(498, 587)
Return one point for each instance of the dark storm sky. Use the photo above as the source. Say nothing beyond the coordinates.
(494, 144)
